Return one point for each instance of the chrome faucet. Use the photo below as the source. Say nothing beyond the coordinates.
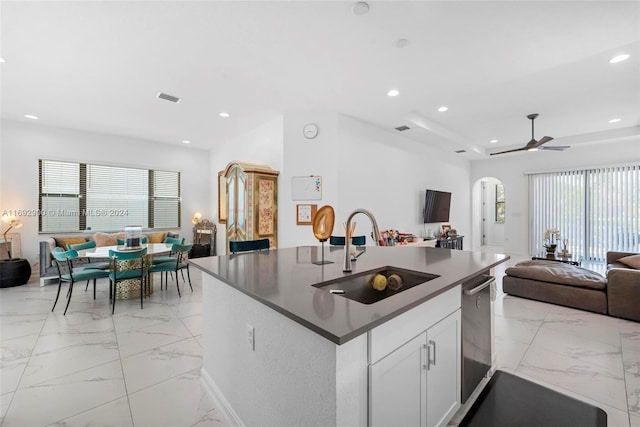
(347, 241)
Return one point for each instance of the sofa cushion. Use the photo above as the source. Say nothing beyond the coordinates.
(156, 237)
(558, 272)
(632, 261)
(64, 241)
(105, 239)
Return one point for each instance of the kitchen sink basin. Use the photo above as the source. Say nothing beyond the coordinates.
(357, 286)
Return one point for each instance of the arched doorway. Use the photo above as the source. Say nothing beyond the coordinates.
(488, 215)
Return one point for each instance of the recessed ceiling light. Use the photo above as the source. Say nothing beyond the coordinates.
(225, 115)
(393, 92)
(360, 8)
(443, 108)
(186, 141)
(400, 43)
(614, 120)
(2, 60)
(31, 116)
(619, 58)
(493, 141)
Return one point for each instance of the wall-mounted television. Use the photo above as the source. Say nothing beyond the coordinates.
(436, 206)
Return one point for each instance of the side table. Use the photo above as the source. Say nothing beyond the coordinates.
(556, 257)
(14, 272)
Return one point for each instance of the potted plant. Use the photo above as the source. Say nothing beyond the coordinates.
(551, 237)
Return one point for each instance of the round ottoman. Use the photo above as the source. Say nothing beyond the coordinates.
(14, 272)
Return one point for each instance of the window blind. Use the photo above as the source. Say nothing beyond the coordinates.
(596, 210)
(79, 196)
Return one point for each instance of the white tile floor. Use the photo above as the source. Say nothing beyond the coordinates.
(142, 367)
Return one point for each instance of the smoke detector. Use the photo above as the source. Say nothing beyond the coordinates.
(360, 8)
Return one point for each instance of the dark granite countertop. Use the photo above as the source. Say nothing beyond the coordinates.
(282, 279)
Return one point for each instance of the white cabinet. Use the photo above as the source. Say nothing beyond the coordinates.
(418, 384)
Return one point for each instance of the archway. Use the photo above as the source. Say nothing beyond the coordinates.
(487, 217)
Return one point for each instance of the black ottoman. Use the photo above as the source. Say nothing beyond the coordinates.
(14, 272)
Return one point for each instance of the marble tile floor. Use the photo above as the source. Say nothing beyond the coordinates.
(142, 367)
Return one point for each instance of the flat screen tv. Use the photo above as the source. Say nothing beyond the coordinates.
(436, 206)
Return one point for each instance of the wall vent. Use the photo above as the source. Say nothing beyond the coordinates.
(168, 97)
(402, 128)
(461, 151)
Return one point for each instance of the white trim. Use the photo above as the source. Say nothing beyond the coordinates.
(227, 413)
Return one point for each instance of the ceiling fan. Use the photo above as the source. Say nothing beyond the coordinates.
(534, 145)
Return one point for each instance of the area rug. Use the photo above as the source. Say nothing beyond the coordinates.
(508, 400)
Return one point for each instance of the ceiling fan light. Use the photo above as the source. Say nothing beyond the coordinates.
(533, 149)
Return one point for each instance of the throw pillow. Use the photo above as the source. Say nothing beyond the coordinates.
(156, 238)
(64, 241)
(104, 239)
(632, 261)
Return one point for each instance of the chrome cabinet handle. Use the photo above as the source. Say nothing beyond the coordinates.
(432, 362)
(425, 357)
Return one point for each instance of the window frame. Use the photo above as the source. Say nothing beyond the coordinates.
(499, 205)
(82, 197)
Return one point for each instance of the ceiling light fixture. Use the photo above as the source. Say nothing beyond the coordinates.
(31, 116)
(186, 142)
(360, 8)
(533, 149)
(614, 120)
(393, 92)
(2, 60)
(619, 58)
(443, 108)
(493, 141)
(225, 115)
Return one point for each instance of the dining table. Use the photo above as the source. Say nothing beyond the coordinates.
(129, 289)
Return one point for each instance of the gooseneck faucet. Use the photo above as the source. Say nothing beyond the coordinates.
(347, 241)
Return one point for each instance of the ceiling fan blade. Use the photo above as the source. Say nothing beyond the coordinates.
(509, 151)
(556, 148)
(544, 140)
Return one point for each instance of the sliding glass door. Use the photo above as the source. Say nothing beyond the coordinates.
(596, 210)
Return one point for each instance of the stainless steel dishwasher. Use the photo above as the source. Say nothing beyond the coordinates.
(476, 331)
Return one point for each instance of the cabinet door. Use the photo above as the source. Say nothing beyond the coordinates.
(398, 386)
(443, 370)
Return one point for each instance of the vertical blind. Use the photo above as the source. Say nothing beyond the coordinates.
(79, 196)
(596, 210)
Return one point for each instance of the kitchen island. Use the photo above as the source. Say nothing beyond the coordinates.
(279, 351)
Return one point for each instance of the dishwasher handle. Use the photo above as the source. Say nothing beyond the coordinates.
(480, 287)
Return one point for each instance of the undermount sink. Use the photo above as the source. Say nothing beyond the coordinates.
(357, 286)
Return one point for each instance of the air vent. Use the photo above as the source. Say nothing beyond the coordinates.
(461, 151)
(168, 97)
(402, 128)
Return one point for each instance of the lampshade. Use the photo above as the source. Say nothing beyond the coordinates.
(196, 218)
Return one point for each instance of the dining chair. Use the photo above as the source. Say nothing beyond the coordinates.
(177, 263)
(100, 265)
(127, 265)
(67, 273)
(355, 240)
(168, 258)
(248, 245)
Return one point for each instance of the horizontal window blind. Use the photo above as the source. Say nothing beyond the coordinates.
(79, 196)
(596, 210)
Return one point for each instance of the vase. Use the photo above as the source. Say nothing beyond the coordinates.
(551, 249)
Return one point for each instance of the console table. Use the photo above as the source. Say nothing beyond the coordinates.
(450, 242)
(558, 257)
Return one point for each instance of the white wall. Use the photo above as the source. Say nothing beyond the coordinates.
(23, 144)
(510, 170)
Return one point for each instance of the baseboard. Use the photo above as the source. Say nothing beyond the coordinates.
(227, 413)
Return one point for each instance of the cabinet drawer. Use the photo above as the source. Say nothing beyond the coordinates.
(390, 335)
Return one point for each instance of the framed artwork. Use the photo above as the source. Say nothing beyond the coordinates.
(305, 214)
(446, 227)
(222, 198)
(306, 187)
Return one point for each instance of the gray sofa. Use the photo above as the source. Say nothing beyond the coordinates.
(48, 269)
(617, 294)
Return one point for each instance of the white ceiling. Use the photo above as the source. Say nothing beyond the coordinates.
(98, 66)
